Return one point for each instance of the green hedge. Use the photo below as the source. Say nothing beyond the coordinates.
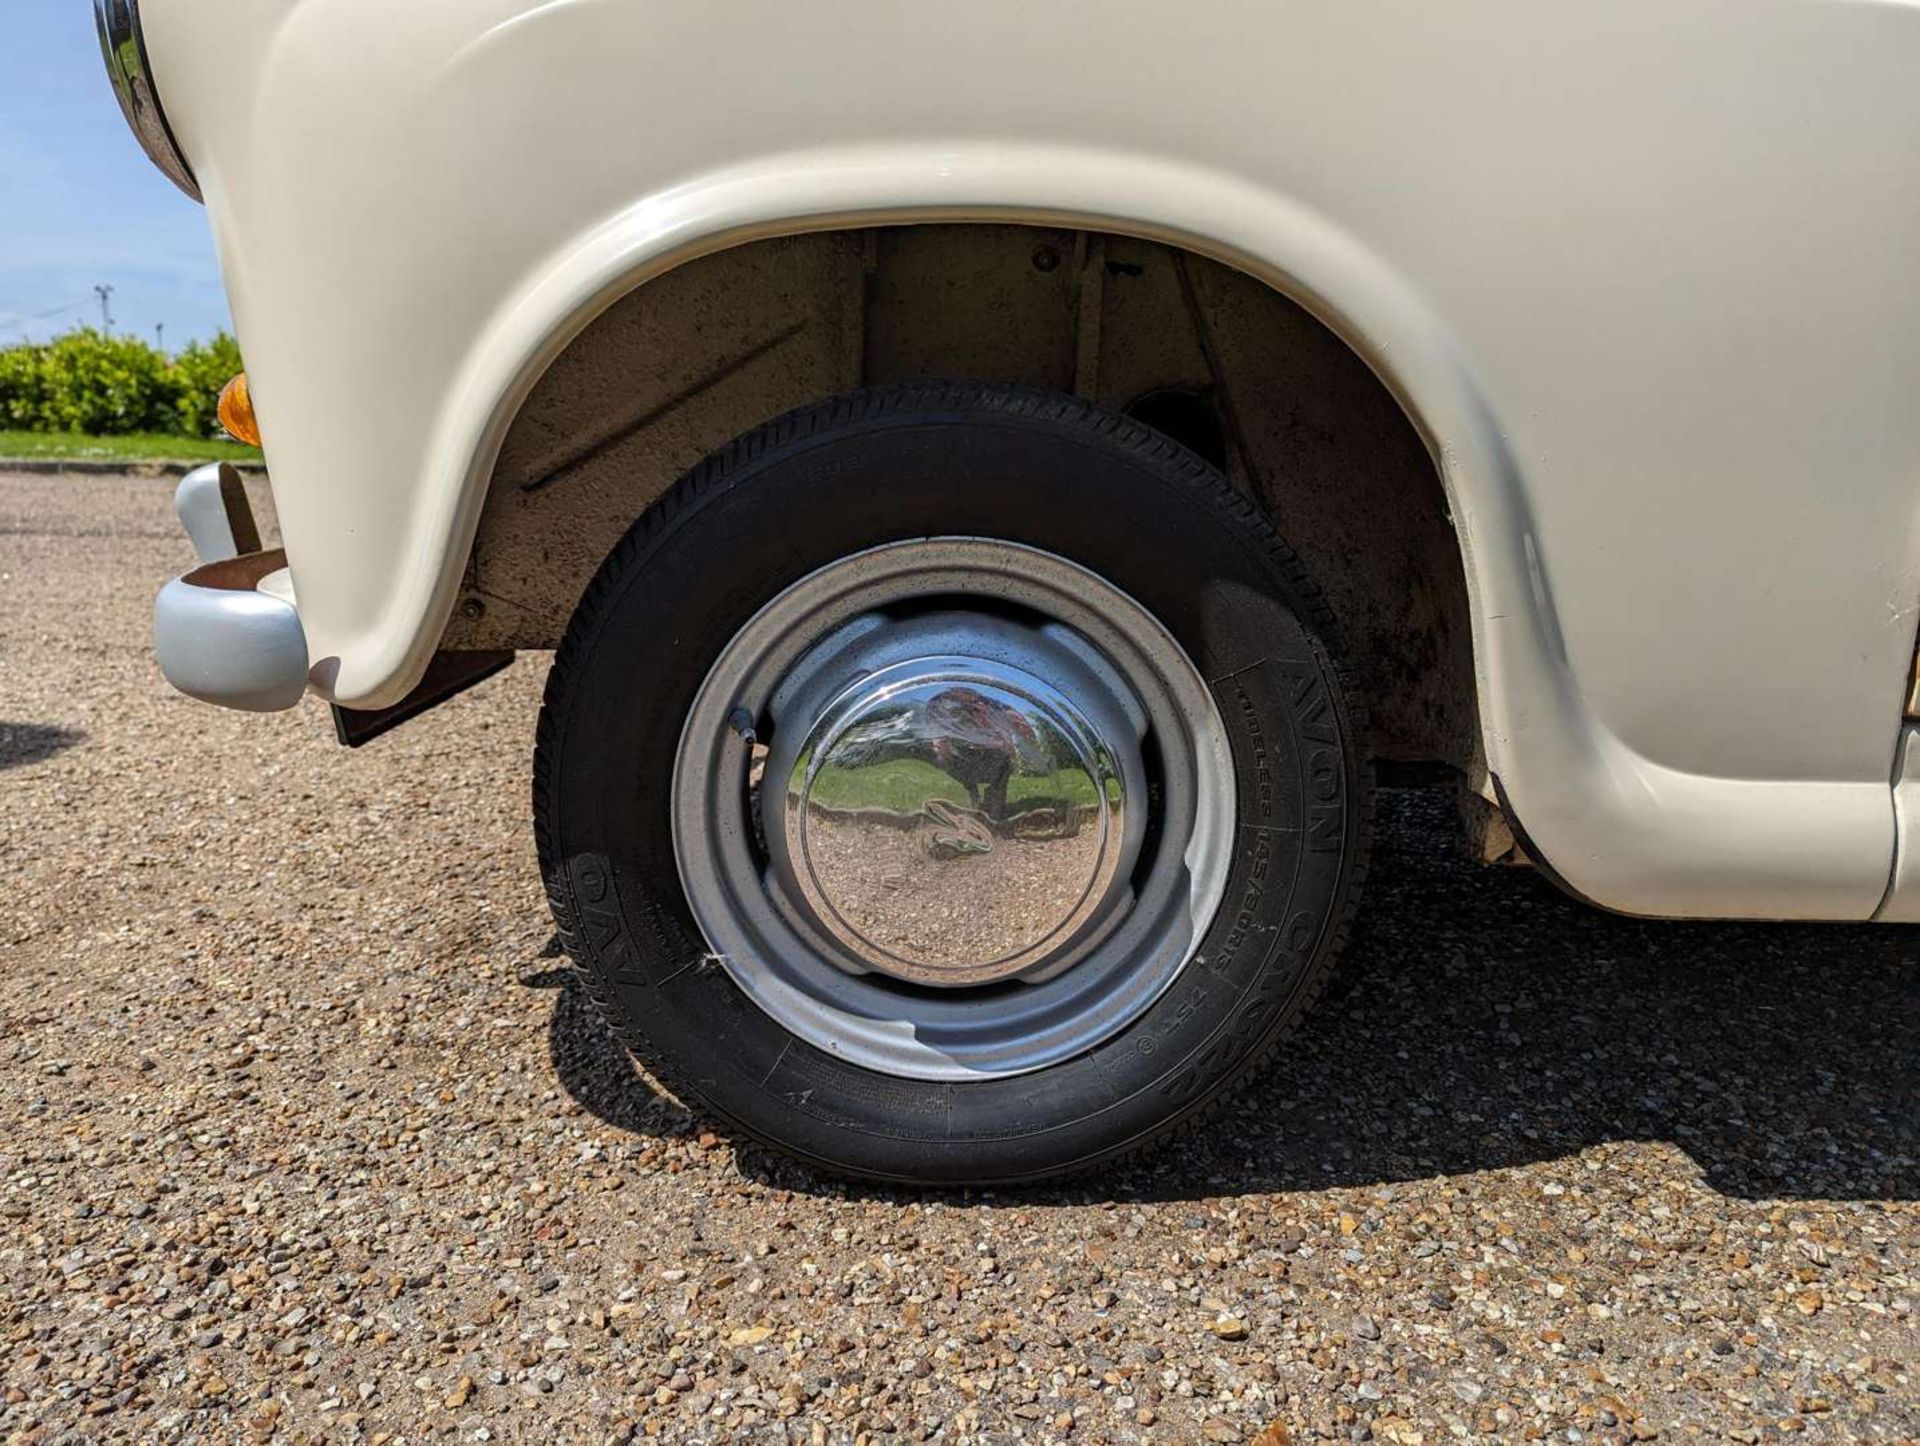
(107, 385)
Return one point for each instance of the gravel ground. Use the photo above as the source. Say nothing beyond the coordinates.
(305, 1133)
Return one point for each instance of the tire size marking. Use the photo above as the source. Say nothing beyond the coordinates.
(1245, 921)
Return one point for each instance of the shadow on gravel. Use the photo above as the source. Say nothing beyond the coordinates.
(1485, 1020)
(25, 743)
(594, 1067)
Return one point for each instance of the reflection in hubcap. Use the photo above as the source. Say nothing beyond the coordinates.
(954, 821)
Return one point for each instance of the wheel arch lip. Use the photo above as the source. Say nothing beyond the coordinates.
(1623, 829)
(1207, 212)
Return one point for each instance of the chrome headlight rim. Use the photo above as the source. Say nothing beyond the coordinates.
(125, 52)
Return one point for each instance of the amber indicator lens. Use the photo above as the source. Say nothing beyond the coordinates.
(236, 411)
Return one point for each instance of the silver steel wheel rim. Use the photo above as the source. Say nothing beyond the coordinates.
(950, 867)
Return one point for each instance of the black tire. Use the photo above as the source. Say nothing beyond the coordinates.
(911, 461)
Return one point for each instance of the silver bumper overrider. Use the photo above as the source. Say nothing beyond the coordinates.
(219, 635)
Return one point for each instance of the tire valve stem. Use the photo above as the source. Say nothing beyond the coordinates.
(741, 721)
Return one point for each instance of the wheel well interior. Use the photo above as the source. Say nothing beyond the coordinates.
(1215, 358)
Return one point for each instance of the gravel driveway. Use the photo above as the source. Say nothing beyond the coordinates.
(305, 1133)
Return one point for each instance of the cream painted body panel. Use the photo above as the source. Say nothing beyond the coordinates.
(1641, 270)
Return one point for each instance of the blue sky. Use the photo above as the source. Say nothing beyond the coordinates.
(80, 204)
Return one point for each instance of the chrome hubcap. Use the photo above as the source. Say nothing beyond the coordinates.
(911, 809)
(955, 820)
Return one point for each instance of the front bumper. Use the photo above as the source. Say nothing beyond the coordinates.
(228, 632)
